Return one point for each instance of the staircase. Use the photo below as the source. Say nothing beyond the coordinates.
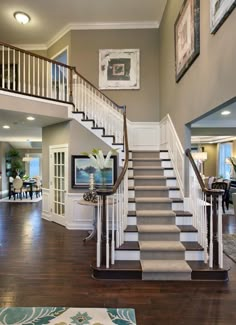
(160, 241)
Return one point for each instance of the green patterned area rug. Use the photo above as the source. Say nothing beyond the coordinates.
(66, 316)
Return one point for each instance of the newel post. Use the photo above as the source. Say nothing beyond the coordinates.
(215, 231)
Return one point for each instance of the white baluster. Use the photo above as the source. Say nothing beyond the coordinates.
(220, 239)
(113, 231)
(19, 72)
(99, 232)
(107, 233)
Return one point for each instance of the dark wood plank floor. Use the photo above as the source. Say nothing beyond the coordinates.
(44, 264)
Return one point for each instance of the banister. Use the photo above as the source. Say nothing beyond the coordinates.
(36, 55)
(98, 90)
(108, 191)
(198, 175)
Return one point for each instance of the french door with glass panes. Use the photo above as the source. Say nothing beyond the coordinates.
(58, 181)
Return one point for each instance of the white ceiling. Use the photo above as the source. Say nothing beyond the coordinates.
(51, 18)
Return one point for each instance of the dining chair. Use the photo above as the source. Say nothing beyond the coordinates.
(18, 189)
(37, 187)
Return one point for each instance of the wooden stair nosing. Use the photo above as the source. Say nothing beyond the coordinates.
(134, 246)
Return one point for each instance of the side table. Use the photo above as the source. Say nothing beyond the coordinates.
(93, 233)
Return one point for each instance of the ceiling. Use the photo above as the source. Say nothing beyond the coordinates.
(51, 18)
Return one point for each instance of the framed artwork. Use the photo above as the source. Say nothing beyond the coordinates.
(82, 167)
(119, 69)
(219, 11)
(9, 76)
(187, 37)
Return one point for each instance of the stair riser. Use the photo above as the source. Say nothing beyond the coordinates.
(188, 236)
(133, 163)
(155, 220)
(181, 221)
(146, 154)
(134, 255)
(159, 236)
(153, 206)
(151, 182)
(157, 276)
(154, 193)
(162, 255)
(184, 221)
(148, 193)
(150, 172)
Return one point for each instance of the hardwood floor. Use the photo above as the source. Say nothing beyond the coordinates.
(44, 264)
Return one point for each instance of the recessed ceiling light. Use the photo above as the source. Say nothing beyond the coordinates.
(6, 127)
(225, 113)
(30, 118)
(22, 17)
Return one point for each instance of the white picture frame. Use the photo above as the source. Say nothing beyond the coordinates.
(119, 69)
(219, 11)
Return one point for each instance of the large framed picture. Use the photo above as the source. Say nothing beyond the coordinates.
(219, 11)
(187, 37)
(119, 69)
(82, 167)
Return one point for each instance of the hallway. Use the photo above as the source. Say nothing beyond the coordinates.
(44, 264)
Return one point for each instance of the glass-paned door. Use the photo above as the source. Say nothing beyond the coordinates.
(58, 182)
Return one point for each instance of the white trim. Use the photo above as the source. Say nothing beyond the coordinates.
(144, 135)
(90, 26)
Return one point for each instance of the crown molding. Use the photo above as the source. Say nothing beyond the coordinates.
(32, 47)
(90, 26)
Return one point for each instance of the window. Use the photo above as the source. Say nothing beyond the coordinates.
(225, 151)
(34, 167)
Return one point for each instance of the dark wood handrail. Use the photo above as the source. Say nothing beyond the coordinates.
(71, 68)
(98, 90)
(113, 190)
(200, 180)
(36, 55)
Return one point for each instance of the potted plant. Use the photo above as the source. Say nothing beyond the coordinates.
(14, 157)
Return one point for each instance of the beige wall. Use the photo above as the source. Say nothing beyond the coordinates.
(210, 164)
(211, 79)
(76, 136)
(142, 104)
(57, 47)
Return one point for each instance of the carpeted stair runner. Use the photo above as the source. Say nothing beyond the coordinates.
(161, 252)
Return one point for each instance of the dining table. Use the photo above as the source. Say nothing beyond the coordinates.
(26, 183)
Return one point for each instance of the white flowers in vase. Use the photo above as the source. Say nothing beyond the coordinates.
(98, 159)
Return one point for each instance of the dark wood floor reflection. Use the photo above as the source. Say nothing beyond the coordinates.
(44, 264)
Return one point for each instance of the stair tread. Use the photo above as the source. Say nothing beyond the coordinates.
(161, 246)
(165, 266)
(187, 228)
(158, 228)
(155, 213)
(192, 246)
(135, 245)
(152, 199)
(147, 167)
(131, 228)
(183, 213)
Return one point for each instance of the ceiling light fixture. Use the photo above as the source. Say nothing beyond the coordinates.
(27, 158)
(6, 127)
(30, 118)
(225, 113)
(22, 17)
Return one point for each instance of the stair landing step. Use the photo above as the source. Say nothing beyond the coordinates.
(165, 266)
(135, 245)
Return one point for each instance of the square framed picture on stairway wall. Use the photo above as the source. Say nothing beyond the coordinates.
(119, 69)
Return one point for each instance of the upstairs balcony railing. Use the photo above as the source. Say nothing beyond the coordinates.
(30, 74)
